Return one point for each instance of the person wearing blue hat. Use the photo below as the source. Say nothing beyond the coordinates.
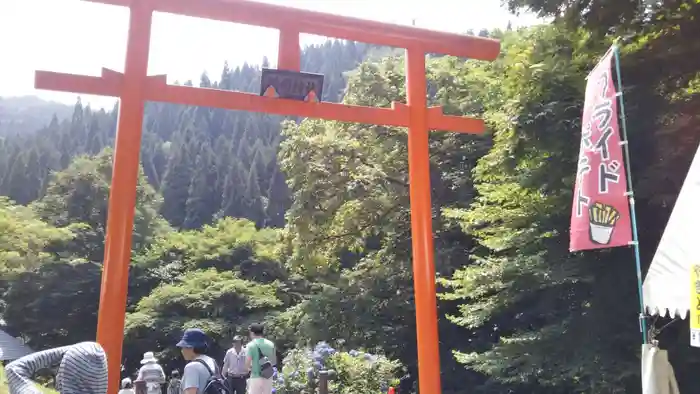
(200, 367)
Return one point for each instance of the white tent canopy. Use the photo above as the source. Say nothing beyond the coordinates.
(667, 284)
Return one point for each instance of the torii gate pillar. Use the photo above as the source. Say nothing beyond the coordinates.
(134, 88)
(122, 197)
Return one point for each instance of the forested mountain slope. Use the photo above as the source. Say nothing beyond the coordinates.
(28, 114)
(207, 163)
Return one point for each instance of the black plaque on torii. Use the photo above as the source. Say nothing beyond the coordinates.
(292, 85)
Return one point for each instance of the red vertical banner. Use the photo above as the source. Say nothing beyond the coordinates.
(600, 215)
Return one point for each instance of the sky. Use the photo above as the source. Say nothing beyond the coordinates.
(81, 37)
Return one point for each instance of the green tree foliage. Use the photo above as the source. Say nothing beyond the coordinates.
(77, 199)
(523, 280)
(55, 304)
(350, 182)
(222, 278)
(220, 303)
(229, 244)
(525, 295)
(349, 220)
(24, 239)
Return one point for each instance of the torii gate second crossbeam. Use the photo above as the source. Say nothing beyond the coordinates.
(134, 87)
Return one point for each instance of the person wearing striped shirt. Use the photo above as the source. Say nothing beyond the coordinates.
(82, 369)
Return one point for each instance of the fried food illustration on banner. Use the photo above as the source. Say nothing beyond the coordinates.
(602, 219)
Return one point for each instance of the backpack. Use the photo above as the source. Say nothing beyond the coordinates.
(216, 383)
(266, 369)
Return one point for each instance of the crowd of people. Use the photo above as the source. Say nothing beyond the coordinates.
(82, 368)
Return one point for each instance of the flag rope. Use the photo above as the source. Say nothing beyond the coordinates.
(630, 194)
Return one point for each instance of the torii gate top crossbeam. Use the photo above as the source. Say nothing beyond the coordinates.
(335, 26)
(290, 22)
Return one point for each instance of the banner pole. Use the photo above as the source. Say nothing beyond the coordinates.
(630, 194)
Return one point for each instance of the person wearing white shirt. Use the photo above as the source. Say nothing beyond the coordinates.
(152, 373)
(235, 370)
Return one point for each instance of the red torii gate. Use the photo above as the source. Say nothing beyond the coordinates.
(134, 87)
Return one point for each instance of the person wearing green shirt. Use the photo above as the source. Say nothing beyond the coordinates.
(258, 344)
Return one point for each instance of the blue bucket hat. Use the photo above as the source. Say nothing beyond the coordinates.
(193, 337)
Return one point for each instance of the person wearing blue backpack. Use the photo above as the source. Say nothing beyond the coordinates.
(201, 374)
